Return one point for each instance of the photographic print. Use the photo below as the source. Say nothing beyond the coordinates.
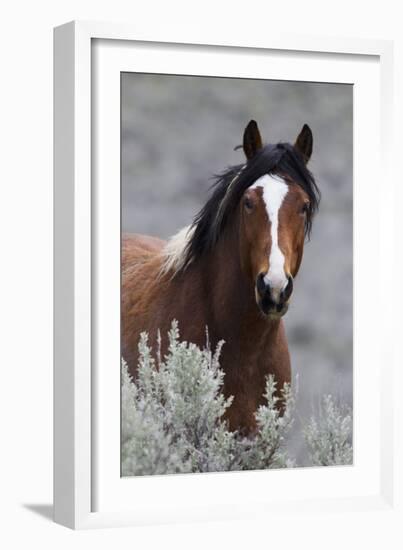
(236, 274)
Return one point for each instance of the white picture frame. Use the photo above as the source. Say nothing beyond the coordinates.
(88, 490)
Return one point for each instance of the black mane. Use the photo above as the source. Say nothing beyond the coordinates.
(228, 188)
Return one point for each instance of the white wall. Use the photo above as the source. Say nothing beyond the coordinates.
(26, 267)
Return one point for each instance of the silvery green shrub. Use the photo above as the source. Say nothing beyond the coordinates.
(329, 434)
(173, 418)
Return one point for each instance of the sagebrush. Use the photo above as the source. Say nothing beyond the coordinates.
(329, 434)
(173, 418)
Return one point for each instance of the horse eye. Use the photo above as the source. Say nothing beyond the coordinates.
(248, 204)
(305, 208)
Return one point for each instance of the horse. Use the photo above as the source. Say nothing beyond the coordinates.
(232, 270)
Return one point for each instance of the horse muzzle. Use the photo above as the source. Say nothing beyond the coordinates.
(273, 302)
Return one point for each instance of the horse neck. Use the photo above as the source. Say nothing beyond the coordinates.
(230, 294)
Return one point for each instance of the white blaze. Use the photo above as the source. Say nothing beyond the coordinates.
(274, 191)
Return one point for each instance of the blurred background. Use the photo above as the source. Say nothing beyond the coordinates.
(178, 131)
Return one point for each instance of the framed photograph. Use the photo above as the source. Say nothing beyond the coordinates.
(218, 208)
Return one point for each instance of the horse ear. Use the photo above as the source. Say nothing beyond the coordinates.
(304, 143)
(252, 140)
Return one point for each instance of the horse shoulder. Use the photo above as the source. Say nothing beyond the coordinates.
(141, 263)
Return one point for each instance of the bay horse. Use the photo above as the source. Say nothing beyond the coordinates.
(232, 270)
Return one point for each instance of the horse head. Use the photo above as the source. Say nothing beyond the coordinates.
(275, 213)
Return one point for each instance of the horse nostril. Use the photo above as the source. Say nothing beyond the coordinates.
(287, 291)
(261, 285)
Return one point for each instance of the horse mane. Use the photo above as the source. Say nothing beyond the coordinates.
(208, 225)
